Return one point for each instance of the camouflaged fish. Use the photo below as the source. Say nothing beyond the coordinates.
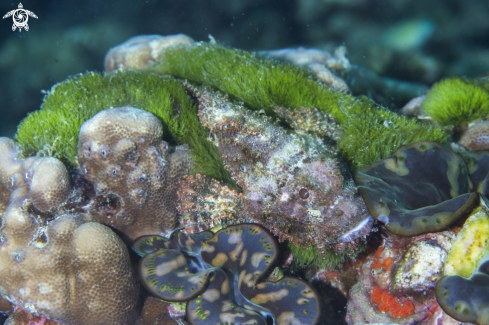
(292, 181)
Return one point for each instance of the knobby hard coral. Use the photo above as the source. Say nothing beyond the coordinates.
(218, 275)
(45, 181)
(121, 152)
(421, 188)
(73, 273)
(292, 182)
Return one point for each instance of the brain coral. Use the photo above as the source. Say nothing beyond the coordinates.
(121, 152)
(77, 274)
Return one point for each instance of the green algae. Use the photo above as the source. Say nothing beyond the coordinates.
(53, 130)
(455, 101)
(311, 256)
(370, 132)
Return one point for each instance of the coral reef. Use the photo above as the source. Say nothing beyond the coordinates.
(220, 278)
(455, 101)
(85, 276)
(292, 183)
(396, 284)
(139, 52)
(421, 188)
(369, 132)
(121, 153)
(476, 137)
(53, 130)
(45, 181)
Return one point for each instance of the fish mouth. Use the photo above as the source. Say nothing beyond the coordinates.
(361, 229)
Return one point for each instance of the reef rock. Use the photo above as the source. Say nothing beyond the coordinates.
(396, 285)
(476, 137)
(73, 273)
(142, 51)
(292, 182)
(121, 152)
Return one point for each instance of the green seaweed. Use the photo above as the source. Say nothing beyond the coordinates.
(311, 256)
(455, 101)
(53, 130)
(370, 132)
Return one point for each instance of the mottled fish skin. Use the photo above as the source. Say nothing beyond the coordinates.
(291, 181)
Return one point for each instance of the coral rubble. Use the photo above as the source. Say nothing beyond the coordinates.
(121, 152)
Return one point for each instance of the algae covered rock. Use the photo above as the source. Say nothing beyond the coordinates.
(456, 101)
(142, 51)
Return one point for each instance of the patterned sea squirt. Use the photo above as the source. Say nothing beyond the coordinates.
(218, 275)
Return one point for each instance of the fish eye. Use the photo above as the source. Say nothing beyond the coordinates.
(304, 193)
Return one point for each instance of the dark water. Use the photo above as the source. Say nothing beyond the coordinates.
(413, 40)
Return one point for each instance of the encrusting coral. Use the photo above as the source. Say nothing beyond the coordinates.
(121, 152)
(218, 274)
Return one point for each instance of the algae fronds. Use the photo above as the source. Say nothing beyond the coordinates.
(53, 130)
(455, 101)
(311, 256)
(370, 132)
